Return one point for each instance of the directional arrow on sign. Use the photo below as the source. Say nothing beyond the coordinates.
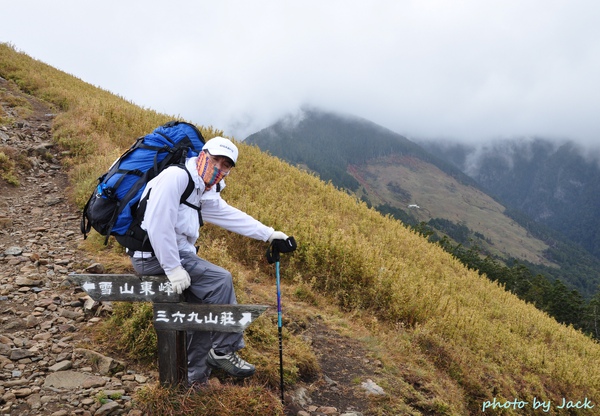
(246, 318)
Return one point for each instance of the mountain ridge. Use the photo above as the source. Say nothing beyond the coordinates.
(439, 190)
(354, 148)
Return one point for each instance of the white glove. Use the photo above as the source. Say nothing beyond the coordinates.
(180, 279)
(277, 235)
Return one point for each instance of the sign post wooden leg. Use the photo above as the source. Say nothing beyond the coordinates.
(172, 357)
(181, 347)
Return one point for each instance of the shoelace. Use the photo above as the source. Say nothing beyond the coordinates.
(236, 360)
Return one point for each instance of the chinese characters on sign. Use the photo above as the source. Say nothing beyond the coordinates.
(205, 317)
(144, 288)
(127, 288)
(170, 312)
(224, 318)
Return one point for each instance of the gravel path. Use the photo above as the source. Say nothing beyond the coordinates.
(42, 370)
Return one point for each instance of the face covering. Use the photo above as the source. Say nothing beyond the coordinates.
(207, 170)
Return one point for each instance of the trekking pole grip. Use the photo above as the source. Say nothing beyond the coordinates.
(280, 246)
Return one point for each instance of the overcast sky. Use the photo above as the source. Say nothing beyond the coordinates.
(470, 70)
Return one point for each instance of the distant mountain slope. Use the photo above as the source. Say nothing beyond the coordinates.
(408, 181)
(387, 169)
(553, 183)
(328, 142)
(401, 177)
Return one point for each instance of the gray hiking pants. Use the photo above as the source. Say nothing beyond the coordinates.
(210, 284)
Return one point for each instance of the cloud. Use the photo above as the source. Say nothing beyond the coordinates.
(468, 70)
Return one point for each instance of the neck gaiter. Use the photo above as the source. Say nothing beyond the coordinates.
(207, 170)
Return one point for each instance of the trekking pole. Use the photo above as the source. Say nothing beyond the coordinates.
(279, 328)
(277, 246)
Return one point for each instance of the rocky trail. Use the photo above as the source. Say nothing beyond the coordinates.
(43, 318)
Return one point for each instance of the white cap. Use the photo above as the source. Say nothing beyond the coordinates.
(220, 146)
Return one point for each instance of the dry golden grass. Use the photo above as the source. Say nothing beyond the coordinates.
(219, 400)
(449, 338)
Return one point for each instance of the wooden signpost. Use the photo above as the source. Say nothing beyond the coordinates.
(172, 316)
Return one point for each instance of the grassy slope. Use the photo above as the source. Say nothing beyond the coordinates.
(460, 203)
(448, 338)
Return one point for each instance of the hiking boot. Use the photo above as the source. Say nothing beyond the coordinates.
(231, 363)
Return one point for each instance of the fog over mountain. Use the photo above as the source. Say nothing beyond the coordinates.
(470, 156)
(557, 183)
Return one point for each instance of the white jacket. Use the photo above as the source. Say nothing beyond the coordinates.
(174, 227)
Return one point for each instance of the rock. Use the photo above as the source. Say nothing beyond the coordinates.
(34, 401)
(107, 408)
(31, 321)
(44, 336)
(22, 392)
(327, 410)
(93, 382)
(15, 324)
(15, 383)
(5, 222)
(95, 268)
(104, 364)
(61, 366)
(25, 281)
(53, 200)
(5, 349)
(19, 353)
(329, 381)
(139, 378)
(4, 362)
(66, 328)
(301, 397)
(70, 314)
(44, 302)
(8, 397)
(69, 380)
(372, 388)
(13, 251)
(114, 393)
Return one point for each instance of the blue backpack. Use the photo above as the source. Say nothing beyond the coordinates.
(113, 208)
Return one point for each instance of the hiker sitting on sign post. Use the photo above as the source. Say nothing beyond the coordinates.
(173, 226)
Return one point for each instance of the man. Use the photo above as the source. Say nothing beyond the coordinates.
(173, 228)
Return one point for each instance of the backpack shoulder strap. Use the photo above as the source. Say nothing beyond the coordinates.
(186, 194)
